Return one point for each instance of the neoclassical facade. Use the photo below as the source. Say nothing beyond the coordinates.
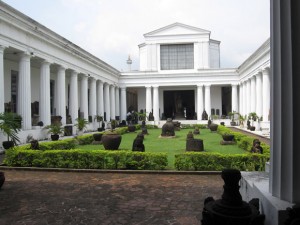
(44, 75)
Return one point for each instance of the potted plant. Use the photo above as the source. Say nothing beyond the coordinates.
(99, 120)
(55, 130)
(232, 115)
(10, 124)
(241, 120)
(81, 124)
(253, 116)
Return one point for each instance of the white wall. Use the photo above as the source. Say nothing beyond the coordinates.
(214, 49)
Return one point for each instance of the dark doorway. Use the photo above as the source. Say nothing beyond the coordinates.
(179, 104)
(226, 100)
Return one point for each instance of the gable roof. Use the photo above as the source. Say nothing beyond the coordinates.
(175, 29)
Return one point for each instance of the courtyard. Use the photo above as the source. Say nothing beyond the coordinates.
(31, 197)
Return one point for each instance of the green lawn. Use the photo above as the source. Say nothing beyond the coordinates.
(173, 146)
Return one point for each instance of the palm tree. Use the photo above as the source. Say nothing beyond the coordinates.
(81, 123)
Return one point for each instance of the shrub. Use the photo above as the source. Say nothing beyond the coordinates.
(82, 159)
(85, 139)
(68, 143)
(203, 161)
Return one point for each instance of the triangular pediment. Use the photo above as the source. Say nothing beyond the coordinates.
(177, 29)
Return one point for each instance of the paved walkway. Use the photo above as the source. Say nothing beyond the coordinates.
(68, 198)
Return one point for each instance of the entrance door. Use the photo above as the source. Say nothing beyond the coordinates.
(179, 104)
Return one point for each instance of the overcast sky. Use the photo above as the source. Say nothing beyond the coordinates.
(112, 29)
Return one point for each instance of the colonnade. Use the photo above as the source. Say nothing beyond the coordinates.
(96, 96)
(254, 94)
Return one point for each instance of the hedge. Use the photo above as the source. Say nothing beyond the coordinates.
(243, 141)
(66, 144)
(82, 159)
(204, 161)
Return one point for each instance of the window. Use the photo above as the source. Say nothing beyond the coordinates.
(177, 57)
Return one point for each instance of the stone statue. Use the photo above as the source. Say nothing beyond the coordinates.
(204, 115)
(144, 128)
(168, 128)
(196, 131)
(138, 144)
(190, 135)
(256, 148)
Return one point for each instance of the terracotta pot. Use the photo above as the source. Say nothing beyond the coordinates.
(111, 141)
(7, 144)
(2, 179)
(228, 137)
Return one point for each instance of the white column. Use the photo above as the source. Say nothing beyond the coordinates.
(73, 107)
(253, 94)
(123, 103)
(93, 101)
(259, 95)
(2, 92)
(234, 98)
(112, 103)
(200, 105)
(44, 106)
(248, 97)
(117, 95)
(106, 101)
(100, 99)
(24, 91)
(207, 100)
(245, 98)
(155, 103)
(148, 100)
(285, 154)
(61, 94)
(84, 106)
(266, 94)
(241, 99)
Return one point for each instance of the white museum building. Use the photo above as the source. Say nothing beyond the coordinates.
(43, 75)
